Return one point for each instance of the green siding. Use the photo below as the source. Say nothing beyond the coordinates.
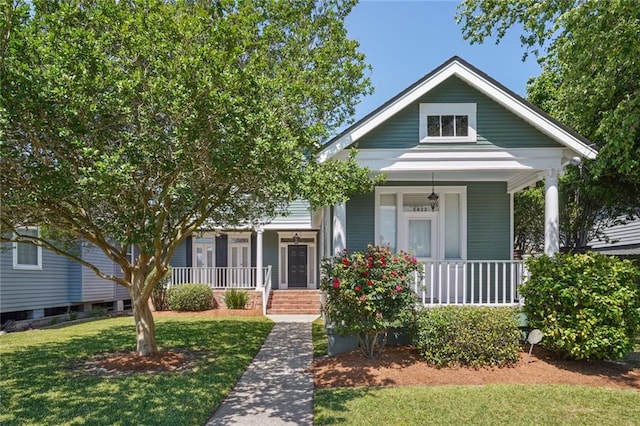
(496, 126)
(488, 229)
(360, 222)
(488, 219)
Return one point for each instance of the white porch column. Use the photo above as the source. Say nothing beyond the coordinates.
(339, 227)
(259, 273)
(551, 213)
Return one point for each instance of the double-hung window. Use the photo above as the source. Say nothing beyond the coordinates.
(27, 256)
(447, 123)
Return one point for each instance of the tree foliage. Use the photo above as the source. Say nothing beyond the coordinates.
(590, 81)
(133, 122)
(528, 216)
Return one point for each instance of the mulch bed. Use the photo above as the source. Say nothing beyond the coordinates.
(401, 366)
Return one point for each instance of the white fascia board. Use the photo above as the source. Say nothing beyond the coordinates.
(459, 160)
(289, 225)
(387, 113)
(439, 166)
(475, 153)
(523, 111)
(492, 91)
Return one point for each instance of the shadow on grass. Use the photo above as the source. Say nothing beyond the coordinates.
(40, 386)
(320, 339)
(331, 404)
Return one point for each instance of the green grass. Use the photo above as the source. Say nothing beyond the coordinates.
(319, 336)
(477, 405)
(498, 404)
(39, 386)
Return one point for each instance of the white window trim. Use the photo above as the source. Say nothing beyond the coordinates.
(440, 213)
(194, 242)
(469, 110)
(17, 265)
(312, 261)
(238, 235)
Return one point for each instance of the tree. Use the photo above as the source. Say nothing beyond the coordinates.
(529, 220)
(590, 81)
(134, 122)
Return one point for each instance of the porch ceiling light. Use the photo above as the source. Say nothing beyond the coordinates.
(296, 238)
(433, 197)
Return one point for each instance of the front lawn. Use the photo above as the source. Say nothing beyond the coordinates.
(319, 336)
(39, 385)
(491, 404)
(497, 404)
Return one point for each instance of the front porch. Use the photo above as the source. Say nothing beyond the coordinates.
(222, 278)
(445, 282)
(470, 282)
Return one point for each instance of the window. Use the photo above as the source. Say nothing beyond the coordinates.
(404, 220)
(447, 123)
(27, 256)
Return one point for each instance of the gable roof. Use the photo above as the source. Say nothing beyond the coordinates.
(477, 79)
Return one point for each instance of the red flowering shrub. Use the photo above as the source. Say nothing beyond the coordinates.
(368, 293)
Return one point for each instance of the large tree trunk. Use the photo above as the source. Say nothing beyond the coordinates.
(145, 326)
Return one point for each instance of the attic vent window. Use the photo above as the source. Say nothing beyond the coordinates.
(447, 123)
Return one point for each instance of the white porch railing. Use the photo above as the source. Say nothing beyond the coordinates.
(221, 277)
(471, 282)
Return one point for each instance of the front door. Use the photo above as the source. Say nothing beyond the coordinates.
(420, 235)
(297, 260)
(240, 260)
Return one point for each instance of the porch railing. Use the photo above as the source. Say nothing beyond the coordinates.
(221, 277)
(470, 282)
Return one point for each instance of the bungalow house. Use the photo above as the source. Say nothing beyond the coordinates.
(454, 147)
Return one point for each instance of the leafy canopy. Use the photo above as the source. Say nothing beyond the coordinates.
(136, 122)
(590, 81)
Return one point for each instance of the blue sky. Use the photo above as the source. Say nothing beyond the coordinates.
(404, 40)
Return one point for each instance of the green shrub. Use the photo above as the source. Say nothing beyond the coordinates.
(587, 305)
(465, 335)
(159, 294)
(190, 297)
(235, 299)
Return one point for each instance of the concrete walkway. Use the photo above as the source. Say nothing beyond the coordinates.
(275, 389)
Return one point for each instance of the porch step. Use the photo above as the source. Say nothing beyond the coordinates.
(292, 302)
